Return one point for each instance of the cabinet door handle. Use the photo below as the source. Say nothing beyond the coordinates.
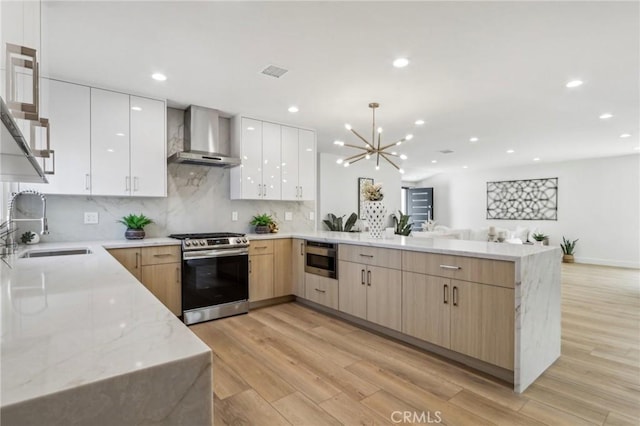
(137, 259)
(450, 267)
(178, 275)
(362, 276)
(446, 294)
(127, 183)
(264, 190)
(301, 249)
(86, 182)
(455, 296)
(249, 265)
(135, 183)
(369, 278)
(320, 291)
(367, 255)
(300, 192)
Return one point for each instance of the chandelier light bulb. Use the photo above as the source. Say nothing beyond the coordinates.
(367, 157)
(403, 157)
(377, 167)
(399, 142)
(409, 137)
(347, 126)
(346, 164)
(379, 129)
(401, 171)
(339, 160)
(338, 143)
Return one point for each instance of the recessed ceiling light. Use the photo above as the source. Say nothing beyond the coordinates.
(510, 151)
(158, 77)
(401, 62)
(119, 134)
(110, 150)
(434, 161)
(473, 139)
(625, 135)
(419, 122)
(250, 128)
(465, 167)
(606, 116)
(136, 108)
(536, 159)
(574, 83)
(293, 108)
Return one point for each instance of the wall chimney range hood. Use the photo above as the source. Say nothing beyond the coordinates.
(202, 142)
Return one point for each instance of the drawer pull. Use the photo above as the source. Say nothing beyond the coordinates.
(450, 267)
(446, 294)
(366, 255)
(320, 291)
(162, 254)
(260, 247)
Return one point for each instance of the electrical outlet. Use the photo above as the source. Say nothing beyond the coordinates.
(312, 216)
(288, 216)
(90, 218)
(234, 216)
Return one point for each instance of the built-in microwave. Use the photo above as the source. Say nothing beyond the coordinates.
(321, 259)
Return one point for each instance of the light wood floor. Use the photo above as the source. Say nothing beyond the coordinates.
(288, 364)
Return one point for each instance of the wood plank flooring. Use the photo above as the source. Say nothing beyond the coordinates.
(290, 365)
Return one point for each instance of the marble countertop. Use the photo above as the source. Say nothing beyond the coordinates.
(69, 321)
(481, 249)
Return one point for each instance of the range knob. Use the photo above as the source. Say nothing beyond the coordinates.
(202, 242)
(244, 240)
(238, 240)
(187, 243)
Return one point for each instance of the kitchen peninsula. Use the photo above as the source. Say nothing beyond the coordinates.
(492, 306)
(83, 342)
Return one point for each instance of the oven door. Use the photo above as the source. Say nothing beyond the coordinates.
(321, 262)
(210, 281)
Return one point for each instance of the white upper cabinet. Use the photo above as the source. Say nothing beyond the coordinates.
(148, 147)
(278, 161)
(68, 108)
(109, 143)
(290, 166)
(271, 161)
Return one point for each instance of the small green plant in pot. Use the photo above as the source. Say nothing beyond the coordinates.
(568, 248)
(263, 223)
(401, 222)
(135, 226)
(540, 238)
(334, 223)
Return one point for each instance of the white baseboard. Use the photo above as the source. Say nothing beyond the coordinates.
(608, 262)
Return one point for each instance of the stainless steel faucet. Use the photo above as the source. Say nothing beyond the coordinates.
(11, 221)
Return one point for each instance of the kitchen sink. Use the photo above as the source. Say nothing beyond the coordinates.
(55, 252)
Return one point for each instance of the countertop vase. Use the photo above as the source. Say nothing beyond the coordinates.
(375, 212)
(134, 234)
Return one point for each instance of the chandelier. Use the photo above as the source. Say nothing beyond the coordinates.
(373, 148)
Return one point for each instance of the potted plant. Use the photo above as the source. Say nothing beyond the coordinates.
(135, 224)
(402, 225)
(29, 238)
(540, 238)
(568, 247)
(262, 222)
(334, 223)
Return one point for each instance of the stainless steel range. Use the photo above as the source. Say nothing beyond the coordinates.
(215, 275)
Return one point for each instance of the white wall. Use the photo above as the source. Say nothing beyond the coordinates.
(338, 192)
(598, 202)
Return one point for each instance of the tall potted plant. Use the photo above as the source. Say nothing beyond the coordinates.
(568, 248)
(135, 226)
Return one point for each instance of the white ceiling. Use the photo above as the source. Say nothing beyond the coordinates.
(494, 70)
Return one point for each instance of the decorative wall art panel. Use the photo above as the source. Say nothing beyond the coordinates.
(532, 199)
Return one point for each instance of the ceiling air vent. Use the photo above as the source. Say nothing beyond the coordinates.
(446, 151)
(273, 71)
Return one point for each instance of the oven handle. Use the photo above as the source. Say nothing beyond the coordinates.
(207, 254)
(321, 251)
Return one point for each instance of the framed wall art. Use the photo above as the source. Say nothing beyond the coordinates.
(531, 199)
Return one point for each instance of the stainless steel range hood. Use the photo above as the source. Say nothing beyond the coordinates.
(202, 142)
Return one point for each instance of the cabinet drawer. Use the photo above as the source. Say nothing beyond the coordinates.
(375, 256)
(160, 254)
(486, 271)
(261, 247)
(321, 290)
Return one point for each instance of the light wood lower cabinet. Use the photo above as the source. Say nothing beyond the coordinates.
(470, 318)
(282, 270)
(260, 277)
(298, 261)
(321, 290)
(372, 293)
(164, 281)
(158, 268)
